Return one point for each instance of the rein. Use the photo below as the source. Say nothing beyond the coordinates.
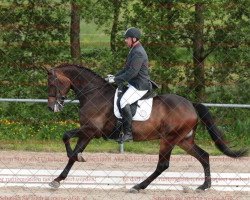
(83, 93)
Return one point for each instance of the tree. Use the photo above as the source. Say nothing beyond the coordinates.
(33, 33)
(108, 16)
(190, 37)
(231, 55)
(217, 37)
(198, 52)
(114, 30)
(75, 46)
(156, 19)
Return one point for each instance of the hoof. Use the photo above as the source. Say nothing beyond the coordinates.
(202, 188)
(80, 158)
(186, 189)
(54, 184)
(134, 189)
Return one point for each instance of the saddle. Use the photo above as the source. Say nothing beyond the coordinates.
(121, 90)
(138, 108)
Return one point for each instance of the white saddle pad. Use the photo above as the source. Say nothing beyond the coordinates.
(143, 111)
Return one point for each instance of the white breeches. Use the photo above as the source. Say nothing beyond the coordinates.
(131, 96)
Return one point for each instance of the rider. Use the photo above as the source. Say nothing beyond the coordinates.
(136, 75)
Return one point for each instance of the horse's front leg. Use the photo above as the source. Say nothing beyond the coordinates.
(80, 146)
(66, 139)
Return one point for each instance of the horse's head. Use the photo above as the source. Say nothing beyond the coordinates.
(58, 87)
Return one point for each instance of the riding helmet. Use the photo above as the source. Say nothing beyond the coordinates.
(133, 33)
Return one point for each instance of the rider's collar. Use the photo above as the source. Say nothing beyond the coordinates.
(136, 45)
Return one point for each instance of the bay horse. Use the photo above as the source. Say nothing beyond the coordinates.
(173, 121)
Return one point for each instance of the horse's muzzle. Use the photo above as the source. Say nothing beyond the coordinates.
(57, 107)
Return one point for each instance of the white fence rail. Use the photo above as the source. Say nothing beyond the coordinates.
(33, 100)
(121, 146)
(76, 101)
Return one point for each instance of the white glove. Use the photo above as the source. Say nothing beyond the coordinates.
(110, 78)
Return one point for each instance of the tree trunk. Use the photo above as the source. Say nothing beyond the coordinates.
(75, 33)
(114, 30)
(167, 37)
(198, 53)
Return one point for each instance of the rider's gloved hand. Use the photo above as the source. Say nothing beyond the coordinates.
(110, 78)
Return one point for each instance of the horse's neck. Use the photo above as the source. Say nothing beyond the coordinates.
(89, 85)
(96, 90)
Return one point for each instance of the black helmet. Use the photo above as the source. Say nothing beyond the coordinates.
(133, 33)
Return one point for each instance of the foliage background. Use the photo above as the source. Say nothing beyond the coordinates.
(35, 34)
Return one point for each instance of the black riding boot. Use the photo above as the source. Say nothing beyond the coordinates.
(127, 124)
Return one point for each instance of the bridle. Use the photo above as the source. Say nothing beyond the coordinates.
(58, 96)
(61, 98)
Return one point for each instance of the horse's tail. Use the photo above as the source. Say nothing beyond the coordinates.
(215, 133)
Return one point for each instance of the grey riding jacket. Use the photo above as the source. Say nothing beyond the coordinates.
(136, 71)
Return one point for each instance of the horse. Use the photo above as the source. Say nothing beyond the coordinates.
(173, 121)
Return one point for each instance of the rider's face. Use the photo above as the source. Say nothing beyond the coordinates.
(128, 41)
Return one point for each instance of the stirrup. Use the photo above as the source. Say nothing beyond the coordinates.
(125, 138)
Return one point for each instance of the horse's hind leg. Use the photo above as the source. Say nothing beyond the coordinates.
(191, 148)
(163, 164)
